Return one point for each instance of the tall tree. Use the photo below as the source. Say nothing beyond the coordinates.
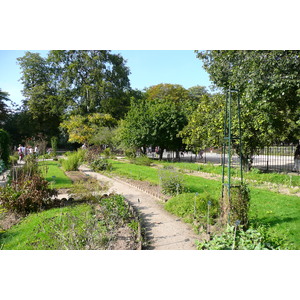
(157, 119)
(92, 80)
(42, 101)
(269, 86)
(4, 96)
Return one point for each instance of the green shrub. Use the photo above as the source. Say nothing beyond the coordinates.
(142, 160)
(130, 153)
(26, 194)
(234, 238)
(107, 153)
(54, 145)
(171, 182)
(101, 164)
(13, 159)
(73, 161)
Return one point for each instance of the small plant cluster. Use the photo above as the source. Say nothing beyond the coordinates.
(92, 153)
(234, 238)
(88, 190)
(101, 164)
(171, 182)
(142, 160)
(27, 191)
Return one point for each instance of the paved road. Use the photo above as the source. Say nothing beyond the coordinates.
(164, 231)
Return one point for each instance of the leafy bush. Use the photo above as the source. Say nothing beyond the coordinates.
(26, 194)
(171, 182)
(234, 238)
(13, 159)
(100, 164)
(107, 153)
(130, 153)
(142, 160)
(73, 160)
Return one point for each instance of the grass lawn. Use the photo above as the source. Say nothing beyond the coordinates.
(280, 212)
(34, 232)
(277, 178)
(53, 169)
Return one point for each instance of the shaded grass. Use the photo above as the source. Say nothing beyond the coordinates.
(61, 180)
(280, 212)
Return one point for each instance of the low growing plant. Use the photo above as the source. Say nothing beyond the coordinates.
(234, 238)
(100, 164)
(142, 160)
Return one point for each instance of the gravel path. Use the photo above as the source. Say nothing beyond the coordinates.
(163, 231)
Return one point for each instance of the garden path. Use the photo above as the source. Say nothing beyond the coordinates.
(163, 230)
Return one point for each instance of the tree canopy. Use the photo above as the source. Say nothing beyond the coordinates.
(268, 83)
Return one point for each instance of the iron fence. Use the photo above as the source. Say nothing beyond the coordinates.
(274, 158)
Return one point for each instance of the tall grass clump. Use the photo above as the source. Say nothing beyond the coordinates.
(73, 160)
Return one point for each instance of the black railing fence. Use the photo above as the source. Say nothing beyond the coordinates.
(274, 158)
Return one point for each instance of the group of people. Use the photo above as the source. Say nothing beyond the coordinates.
(23, 151)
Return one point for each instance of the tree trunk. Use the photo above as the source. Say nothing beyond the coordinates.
(161, 151)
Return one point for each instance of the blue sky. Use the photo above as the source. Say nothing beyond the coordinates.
(147, 67)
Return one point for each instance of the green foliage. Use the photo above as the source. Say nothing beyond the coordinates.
(236, 208)
(157, 119)
(268, 84)
(171, 182)
(83, 128)
(107, 152)
(73, 160)
(142, 160)
(100, 164)
(13, 159)
(2, 166)
(194, 207)
(252, 239)
(54, 145)
(130, 153)
(4, 146)
(203, 130)
(26, 194)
